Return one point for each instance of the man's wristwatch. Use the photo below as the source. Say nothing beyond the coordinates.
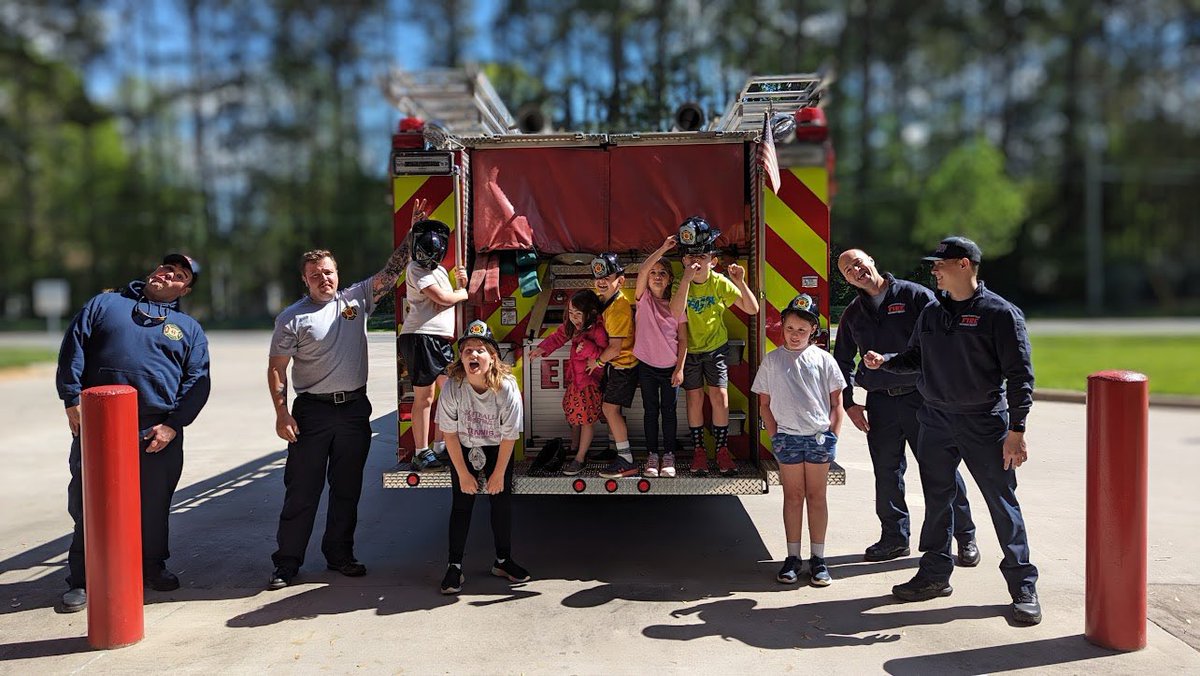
(1017, 427)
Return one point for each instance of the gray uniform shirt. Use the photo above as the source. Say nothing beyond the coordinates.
(480, 419)
(326, 341)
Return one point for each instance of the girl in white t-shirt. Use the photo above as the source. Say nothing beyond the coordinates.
(480, 411)
(799, 391)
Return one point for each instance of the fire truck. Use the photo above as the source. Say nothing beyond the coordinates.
(530, 208)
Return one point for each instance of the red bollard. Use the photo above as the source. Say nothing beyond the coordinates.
(1118, 446)
(112, 516)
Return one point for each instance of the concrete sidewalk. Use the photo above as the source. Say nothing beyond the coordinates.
(621, 585)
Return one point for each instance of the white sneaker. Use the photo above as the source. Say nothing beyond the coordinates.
(667, 468)
(651, 466)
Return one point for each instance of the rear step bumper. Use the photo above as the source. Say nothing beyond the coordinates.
(749, 480)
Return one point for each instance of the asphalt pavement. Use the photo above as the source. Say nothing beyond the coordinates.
(621, 585)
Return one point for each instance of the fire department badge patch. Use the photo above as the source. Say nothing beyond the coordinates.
(172, 331)
(350, 312)
(687, 235)
(477, 329)
(598, 268)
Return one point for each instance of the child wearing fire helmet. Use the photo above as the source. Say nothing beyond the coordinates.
(480, 412)
(799, 390)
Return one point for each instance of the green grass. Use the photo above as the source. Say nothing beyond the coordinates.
(14, 357)
(1064, 362)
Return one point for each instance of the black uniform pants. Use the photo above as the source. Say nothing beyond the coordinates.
(463, 504)
(160, 474)
(333, 444)
(977, 440)
(893, 422)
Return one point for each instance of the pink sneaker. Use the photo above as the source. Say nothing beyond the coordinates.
(667, 468)
(651, 466)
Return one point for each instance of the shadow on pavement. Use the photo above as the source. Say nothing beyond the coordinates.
(50, 647)
(995, 659)
(820, 624)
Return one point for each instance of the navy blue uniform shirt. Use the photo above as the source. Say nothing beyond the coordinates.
(885, 329)
(972, 357)
(122, 338)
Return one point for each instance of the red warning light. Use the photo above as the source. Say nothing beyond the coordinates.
(610, 485)
(643, 486)
(413, 479)
(578, 485)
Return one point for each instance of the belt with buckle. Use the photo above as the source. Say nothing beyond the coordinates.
(337, 397)
(899, 391)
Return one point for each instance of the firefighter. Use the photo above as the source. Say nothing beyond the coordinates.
(881, 318)
(137, 336)
(972, 353)
(328, 429)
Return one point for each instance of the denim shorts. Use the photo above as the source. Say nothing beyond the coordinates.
(793, 449)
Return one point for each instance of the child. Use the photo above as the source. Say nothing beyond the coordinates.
(799, 391)
(581, 401)
(706, 294)
(617, 361)
(660, 350)
(428, 329)
(480, 413)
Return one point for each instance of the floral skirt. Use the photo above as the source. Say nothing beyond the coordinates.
(582, 405)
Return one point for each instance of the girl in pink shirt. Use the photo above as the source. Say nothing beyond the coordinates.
(661, 349)
(581, 402)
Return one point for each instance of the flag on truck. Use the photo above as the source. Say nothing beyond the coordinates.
(767, 160)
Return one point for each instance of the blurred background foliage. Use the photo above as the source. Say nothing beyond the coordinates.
(246, 132)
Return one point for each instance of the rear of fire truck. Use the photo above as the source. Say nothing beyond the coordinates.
(530, 210)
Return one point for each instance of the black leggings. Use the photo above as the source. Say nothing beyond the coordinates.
(658, 398)
(462, 505)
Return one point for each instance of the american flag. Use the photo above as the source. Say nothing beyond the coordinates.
(766, 155)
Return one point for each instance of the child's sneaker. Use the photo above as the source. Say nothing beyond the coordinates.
(651, 466)
(619, 468)
(425, 460)
(790, 573)
(453, 581)
(818, 572)
(572, 467)
(667, 469)
(511, 570)
(725, 462)
(700, 461)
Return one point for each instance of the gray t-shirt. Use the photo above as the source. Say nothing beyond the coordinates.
(480, 419)
(799, 384)
(423, 314)
(326, 341)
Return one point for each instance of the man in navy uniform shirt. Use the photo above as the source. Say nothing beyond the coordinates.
(881, 318)
(137, 336)
(972, 353)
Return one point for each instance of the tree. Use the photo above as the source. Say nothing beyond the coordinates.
(969, 194)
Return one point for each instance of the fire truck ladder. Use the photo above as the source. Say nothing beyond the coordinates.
(460, 100)
(774, 94)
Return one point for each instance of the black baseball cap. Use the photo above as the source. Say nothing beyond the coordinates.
(185, 261)
(953, 248)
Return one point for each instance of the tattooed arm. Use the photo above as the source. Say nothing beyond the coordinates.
(385, 280)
